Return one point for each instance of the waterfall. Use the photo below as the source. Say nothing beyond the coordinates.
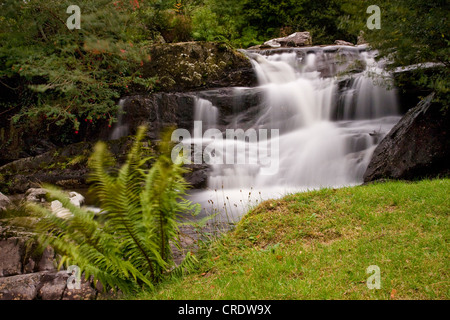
(368, 96)
(207, 113)
(120, 129)
(329, 124)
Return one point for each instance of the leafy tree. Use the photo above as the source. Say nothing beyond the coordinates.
(129, 246)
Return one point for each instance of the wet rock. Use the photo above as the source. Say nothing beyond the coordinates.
(417, 147)
(160, 110)
(65, 167)
(198, 176)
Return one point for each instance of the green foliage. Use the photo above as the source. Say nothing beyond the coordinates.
(63, 76)
(129, 246)
(206, 25)
(250, 22)
(169, 19)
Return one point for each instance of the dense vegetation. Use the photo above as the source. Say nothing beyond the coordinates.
(412, 32)
(71, 78)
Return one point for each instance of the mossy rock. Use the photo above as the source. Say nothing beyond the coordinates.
(198, 65)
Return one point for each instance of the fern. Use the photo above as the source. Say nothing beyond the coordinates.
(128, 246)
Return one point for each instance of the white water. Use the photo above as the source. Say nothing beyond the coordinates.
(120, 129)
(315, 150)
(207, 113)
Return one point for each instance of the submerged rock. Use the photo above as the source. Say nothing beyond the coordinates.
(198, 176)
(417, 147)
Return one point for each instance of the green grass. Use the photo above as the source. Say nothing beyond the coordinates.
(318, 245)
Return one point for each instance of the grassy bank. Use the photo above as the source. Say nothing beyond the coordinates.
(318, 245)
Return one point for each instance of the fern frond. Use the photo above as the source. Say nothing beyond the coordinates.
(129, 246)
(188, 265)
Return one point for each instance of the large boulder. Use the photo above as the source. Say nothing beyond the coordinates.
(297, 39)
(159, 110)
(417, 147)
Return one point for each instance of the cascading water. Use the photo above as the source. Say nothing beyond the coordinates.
(329, 125)
(120, 129)
(207, 113)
